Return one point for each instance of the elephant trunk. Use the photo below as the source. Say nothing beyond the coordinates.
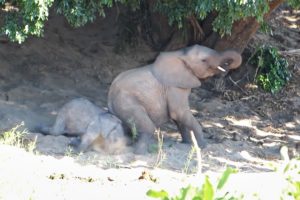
(231, 58)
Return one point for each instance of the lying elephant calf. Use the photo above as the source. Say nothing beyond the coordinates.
(97, 128)
(149, 96)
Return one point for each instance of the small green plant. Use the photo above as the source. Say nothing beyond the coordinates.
(206, 192)
(69, 152)
(194, 151)
(15, 137)
(134, 132)
(153, 148)
(111, 162)
(272, 69)
(189, 159)
(161, 156)
(291, 172)
(30, 147)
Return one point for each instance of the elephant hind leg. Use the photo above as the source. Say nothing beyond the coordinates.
(59, 127)
(143, 126)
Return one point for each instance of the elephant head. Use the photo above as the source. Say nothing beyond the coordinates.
(187, 67)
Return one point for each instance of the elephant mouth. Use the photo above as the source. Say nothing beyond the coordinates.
(223, 73)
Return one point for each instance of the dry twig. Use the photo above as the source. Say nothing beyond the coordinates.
(236, 84)
(292, 52)
(198, 153)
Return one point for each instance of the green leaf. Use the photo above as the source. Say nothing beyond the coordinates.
(162, 194)
(184, 192)
(225, 177)
(287, 167)
(207, 190)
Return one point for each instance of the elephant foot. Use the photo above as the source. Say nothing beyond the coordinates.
(142, 146)
(202, 144)
(75, 144)
(141, 149)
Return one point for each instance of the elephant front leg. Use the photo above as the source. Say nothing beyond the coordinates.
(179, 111)
(184, 132)
(186, 123)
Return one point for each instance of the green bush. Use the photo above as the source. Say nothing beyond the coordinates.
(25, 18)
(207, 192)
(228, 11)
(272, 69)
(294, 3)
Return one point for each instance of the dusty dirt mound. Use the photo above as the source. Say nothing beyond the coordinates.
(243, 130)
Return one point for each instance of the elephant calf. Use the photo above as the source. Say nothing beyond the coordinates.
(149, 96)
(97, 128)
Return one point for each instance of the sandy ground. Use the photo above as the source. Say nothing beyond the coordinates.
(46, 177)
(245, 131)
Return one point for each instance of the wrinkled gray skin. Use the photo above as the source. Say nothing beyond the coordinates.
(97, 128)
(149, 96)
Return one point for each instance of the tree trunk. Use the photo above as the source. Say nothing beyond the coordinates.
(242, 32)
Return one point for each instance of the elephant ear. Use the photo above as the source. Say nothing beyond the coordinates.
(171, 70)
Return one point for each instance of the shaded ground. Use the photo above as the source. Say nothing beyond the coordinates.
(245, 128)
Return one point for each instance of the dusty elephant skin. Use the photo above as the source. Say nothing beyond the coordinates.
(97, 128)
(149, 96)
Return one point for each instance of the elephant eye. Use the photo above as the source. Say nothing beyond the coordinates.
(203, 60)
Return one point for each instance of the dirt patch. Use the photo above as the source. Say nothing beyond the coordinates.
(243, 130)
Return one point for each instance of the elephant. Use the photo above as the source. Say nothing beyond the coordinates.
(149, 96)
(96, 128)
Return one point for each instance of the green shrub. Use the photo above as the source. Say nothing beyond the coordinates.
(272, 69)
(207, 191)
(178, 11)
(25, 18)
